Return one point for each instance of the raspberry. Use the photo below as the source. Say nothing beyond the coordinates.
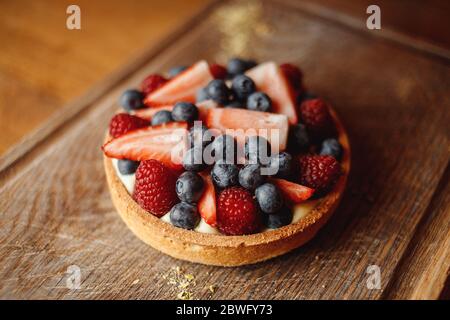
(152, 82)
(314, 113)
(293, 74)
(154, 189)
(218, 71)
(122, 123)
(319, 172)
(237, 212)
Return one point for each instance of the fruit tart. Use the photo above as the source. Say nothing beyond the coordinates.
(226, 165)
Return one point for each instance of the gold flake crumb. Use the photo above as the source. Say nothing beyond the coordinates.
(180, 282)
(135, 282)
(212, 288)
(189, 277)
(184, 295)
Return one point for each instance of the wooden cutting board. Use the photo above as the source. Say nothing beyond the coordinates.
(58, 223)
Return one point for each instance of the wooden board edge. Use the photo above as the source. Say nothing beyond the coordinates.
(75, 108)
(388, 34)
(424, 274)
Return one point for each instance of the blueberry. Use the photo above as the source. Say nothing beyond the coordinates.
(185, 111)
(331, 147)
(199, 135)
(184, 215)
(225, 148)
(225, 175)
(281, 164)
(280, 219)
(257, 150)
(132, 100)
(218, 91)
(298, 137)
(250, 176)
(161, 117)
(193, 159)
(237, 66)
(189, 187)
(269, 198)
(259, 101)
(176, 71)
(242, 87)
(201, 95)
(127, 166)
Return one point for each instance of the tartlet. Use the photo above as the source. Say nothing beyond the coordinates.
(222, 213)
(230, 250)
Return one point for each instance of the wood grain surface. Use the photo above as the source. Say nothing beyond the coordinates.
(56, 210)
(43, 65)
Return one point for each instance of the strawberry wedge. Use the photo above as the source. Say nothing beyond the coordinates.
(165, 143)
(274, 127)
(207, 203)
(269, 78)
(148, 113)
(203, 107)
(183, 87)
(293, 192)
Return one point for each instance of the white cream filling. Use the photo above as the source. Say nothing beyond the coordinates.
(202, 226)
(299, 211)
(127, 179)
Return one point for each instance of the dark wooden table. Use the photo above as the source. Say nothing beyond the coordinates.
(43, 65)
(390, 91)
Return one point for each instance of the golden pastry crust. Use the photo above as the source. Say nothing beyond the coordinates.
(222, 250)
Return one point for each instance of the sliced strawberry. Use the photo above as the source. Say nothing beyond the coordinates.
(274, 127)
(165, 143)
(270, 79)
(203, 108)
(148, 113)
(207, 203)
(293, 192)
(183, 87)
